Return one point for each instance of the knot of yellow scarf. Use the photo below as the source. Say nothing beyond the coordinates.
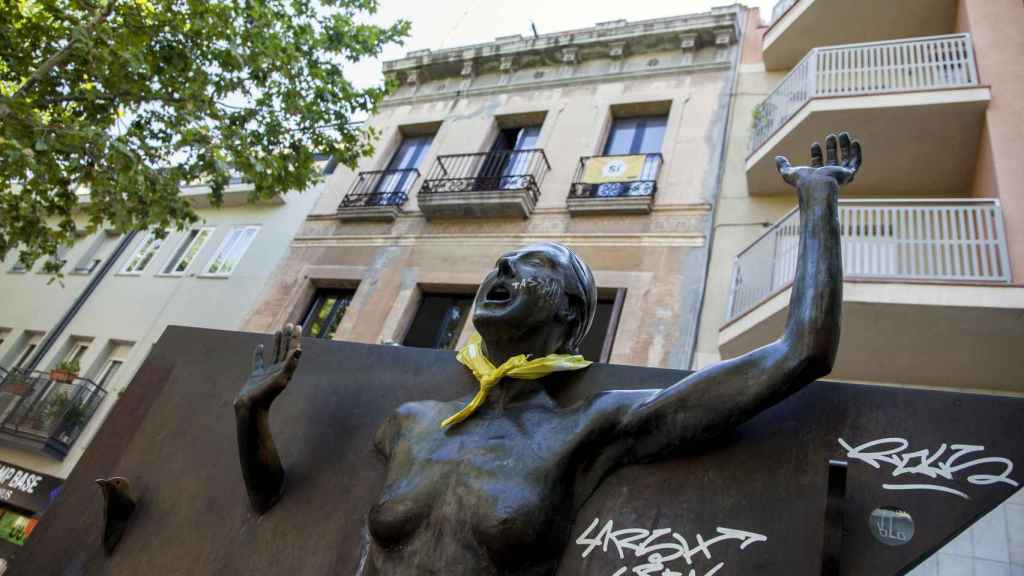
(471, 356)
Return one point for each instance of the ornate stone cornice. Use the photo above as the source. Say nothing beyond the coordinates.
(605, 40)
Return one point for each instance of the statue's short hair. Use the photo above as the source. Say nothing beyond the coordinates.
(581, 288)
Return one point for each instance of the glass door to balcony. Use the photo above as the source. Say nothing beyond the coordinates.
(400, 172)
(517, 165)
(507, 166)
(635, 136)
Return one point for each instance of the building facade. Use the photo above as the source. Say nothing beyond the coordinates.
(607, 139)
(68, 348)
(933, 226)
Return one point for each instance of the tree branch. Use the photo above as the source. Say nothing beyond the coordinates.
(53, 61)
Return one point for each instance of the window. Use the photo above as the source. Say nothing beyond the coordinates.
(325, 313)
(77, 352)
(144, 254)
(406, 159)
(190, 246)
(26, 354)
(506, 161)
(634, 136)
(100, 247)
(61, 257)
(108, 373)
(231, 250)
(638, 135)
(597, 344)
(439, 321)
(18, 265)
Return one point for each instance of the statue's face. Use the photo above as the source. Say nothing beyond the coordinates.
(525, 290)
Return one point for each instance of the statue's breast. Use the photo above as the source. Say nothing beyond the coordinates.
(494, 482)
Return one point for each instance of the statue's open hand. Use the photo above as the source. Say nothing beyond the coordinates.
(842, 171)
(267, 381)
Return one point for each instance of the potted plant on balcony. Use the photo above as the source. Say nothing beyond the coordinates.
(66, 371)
(61, 407)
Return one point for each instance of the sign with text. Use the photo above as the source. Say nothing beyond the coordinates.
(27, 489)
(603, 169)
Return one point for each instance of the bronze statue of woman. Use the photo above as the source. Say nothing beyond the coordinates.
(497, 493)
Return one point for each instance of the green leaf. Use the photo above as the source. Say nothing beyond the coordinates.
(164, 92)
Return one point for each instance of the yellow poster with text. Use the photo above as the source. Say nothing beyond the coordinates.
(601, 169)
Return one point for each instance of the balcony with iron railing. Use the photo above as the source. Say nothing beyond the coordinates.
(927, 286)
(377, 195)
(796, 26)
(904, 99)
(496, 184)
(46, 415)
(623, 183)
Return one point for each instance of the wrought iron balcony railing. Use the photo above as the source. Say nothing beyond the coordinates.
(936, 240)
(910, 65)
(488, 171)
(45, 414)
(380, 188)
(612, 176)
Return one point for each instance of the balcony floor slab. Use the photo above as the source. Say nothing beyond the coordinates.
(368, 213)
(478, 204)
(915, 143)
(925, 334)
(613, 205)
(811, 23)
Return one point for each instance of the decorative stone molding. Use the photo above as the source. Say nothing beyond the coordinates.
(688, 41)
(412, 77)
(468, 69)
(608, 40)
(725, 36)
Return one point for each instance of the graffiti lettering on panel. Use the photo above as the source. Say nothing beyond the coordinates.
(925, 469)
(649, 552)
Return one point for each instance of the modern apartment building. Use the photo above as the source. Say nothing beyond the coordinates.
(607, 139)
(117, 295)
(933, 226)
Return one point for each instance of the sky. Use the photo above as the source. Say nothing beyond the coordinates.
(449, 23)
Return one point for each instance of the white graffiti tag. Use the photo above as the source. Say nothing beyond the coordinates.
(655, 548)
(941, 464)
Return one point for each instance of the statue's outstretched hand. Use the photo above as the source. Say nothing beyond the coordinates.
(268, 381)
(842, 171)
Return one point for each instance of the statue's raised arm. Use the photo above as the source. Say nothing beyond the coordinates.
(261, 466)
(722, 396)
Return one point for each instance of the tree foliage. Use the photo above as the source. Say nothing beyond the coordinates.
(126, 100)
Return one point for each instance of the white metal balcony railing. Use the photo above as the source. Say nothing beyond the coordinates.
(914, 64)
(937, 240)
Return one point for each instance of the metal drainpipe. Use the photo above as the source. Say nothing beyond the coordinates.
(722, 152)
(62, 324)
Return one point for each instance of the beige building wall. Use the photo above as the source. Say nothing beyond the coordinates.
(657, 258)
(739, 218)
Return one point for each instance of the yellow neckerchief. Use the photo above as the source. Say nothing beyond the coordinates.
(472, 357)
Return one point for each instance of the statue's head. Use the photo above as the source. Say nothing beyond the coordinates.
(542, 295)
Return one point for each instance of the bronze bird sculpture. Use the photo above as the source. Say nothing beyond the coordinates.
(119, 504)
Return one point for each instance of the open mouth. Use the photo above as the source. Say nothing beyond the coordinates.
(499, 294)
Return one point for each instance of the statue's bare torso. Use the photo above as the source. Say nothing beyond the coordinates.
(504, 484)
